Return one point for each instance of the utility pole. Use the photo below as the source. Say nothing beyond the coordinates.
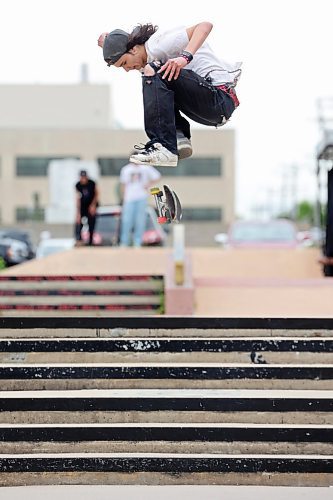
(283, 191)
(294, 190)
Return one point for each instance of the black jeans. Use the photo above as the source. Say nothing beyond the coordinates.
(91, 226)
(190, 94)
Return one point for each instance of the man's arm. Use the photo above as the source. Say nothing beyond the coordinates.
(197, 34)
(78, 207)
(94, 201)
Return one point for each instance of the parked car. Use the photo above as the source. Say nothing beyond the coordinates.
(277, 233)
(315, 236)
(108, 222)
(19, 235)
(50, 246)
(13, 251)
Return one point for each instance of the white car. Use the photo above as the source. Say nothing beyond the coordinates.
(49, 246)
(276, 233)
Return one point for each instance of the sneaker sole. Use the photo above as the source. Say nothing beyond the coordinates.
(184, 152)
(155, 164)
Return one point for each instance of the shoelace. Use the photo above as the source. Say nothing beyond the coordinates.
(145, 148)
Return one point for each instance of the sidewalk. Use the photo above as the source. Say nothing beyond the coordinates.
(228, 283)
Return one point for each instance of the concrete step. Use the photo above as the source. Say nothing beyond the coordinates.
(23, 287)
(250, 358)
(95, 325)
(79, 300)
(167, 406)
(165, 375)
(170, 438)
(87, 322)
(129, 350)
(119, 468)
(49, 294)
(225, 447)
(7, 281)
(119, 312)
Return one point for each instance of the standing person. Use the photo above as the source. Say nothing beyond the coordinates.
(86, 204)
(180, 75)
(135, 180)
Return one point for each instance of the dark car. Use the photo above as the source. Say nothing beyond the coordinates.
(19, 235)
(13, 251)
(107, 229)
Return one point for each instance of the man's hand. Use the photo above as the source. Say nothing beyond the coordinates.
(92, 210)
(172, 68)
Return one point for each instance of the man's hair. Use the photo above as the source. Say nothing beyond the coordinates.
(140, 35)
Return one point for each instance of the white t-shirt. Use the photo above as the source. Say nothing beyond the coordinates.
(165, 45)
(136, 179)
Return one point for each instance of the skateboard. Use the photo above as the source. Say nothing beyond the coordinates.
(168, 207)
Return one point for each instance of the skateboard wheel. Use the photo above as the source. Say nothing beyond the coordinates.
(162, 220)
(155, 190)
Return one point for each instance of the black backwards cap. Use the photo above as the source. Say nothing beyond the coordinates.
(115, 46)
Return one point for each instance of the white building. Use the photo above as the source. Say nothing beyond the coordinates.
(40, 123)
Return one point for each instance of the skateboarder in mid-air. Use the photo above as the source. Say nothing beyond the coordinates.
(181, 75)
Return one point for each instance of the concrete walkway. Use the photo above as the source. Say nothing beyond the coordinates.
(164, 493)
(228, 283)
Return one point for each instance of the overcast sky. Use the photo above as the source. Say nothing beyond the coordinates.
(285, 46)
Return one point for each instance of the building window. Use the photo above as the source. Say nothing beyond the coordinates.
(111, 166)
(211, 167)
(196, 167)
(35, 167)
(24, 214)
(202, 214)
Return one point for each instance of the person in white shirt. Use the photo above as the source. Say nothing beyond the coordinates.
(135, 180)
(181, 76)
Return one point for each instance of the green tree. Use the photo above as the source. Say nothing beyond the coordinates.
(305, 212)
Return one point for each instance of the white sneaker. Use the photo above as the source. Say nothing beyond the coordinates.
(184, 146)
(156, 155)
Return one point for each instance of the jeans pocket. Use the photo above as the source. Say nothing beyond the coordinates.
(227, 105)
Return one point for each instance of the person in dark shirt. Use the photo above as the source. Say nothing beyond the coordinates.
(86, 204)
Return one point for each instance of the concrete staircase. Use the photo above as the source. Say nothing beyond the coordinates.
(165, 400)
(107, 295)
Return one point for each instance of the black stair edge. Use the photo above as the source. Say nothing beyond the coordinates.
(183, 372)
(167, 464)
(156, 404)
(165, 322)
(163, 345)
(167, 433)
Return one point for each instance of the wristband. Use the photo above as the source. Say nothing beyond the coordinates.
(186, 55)
(155, 65)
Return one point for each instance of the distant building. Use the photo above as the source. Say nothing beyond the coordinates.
(40, 123)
